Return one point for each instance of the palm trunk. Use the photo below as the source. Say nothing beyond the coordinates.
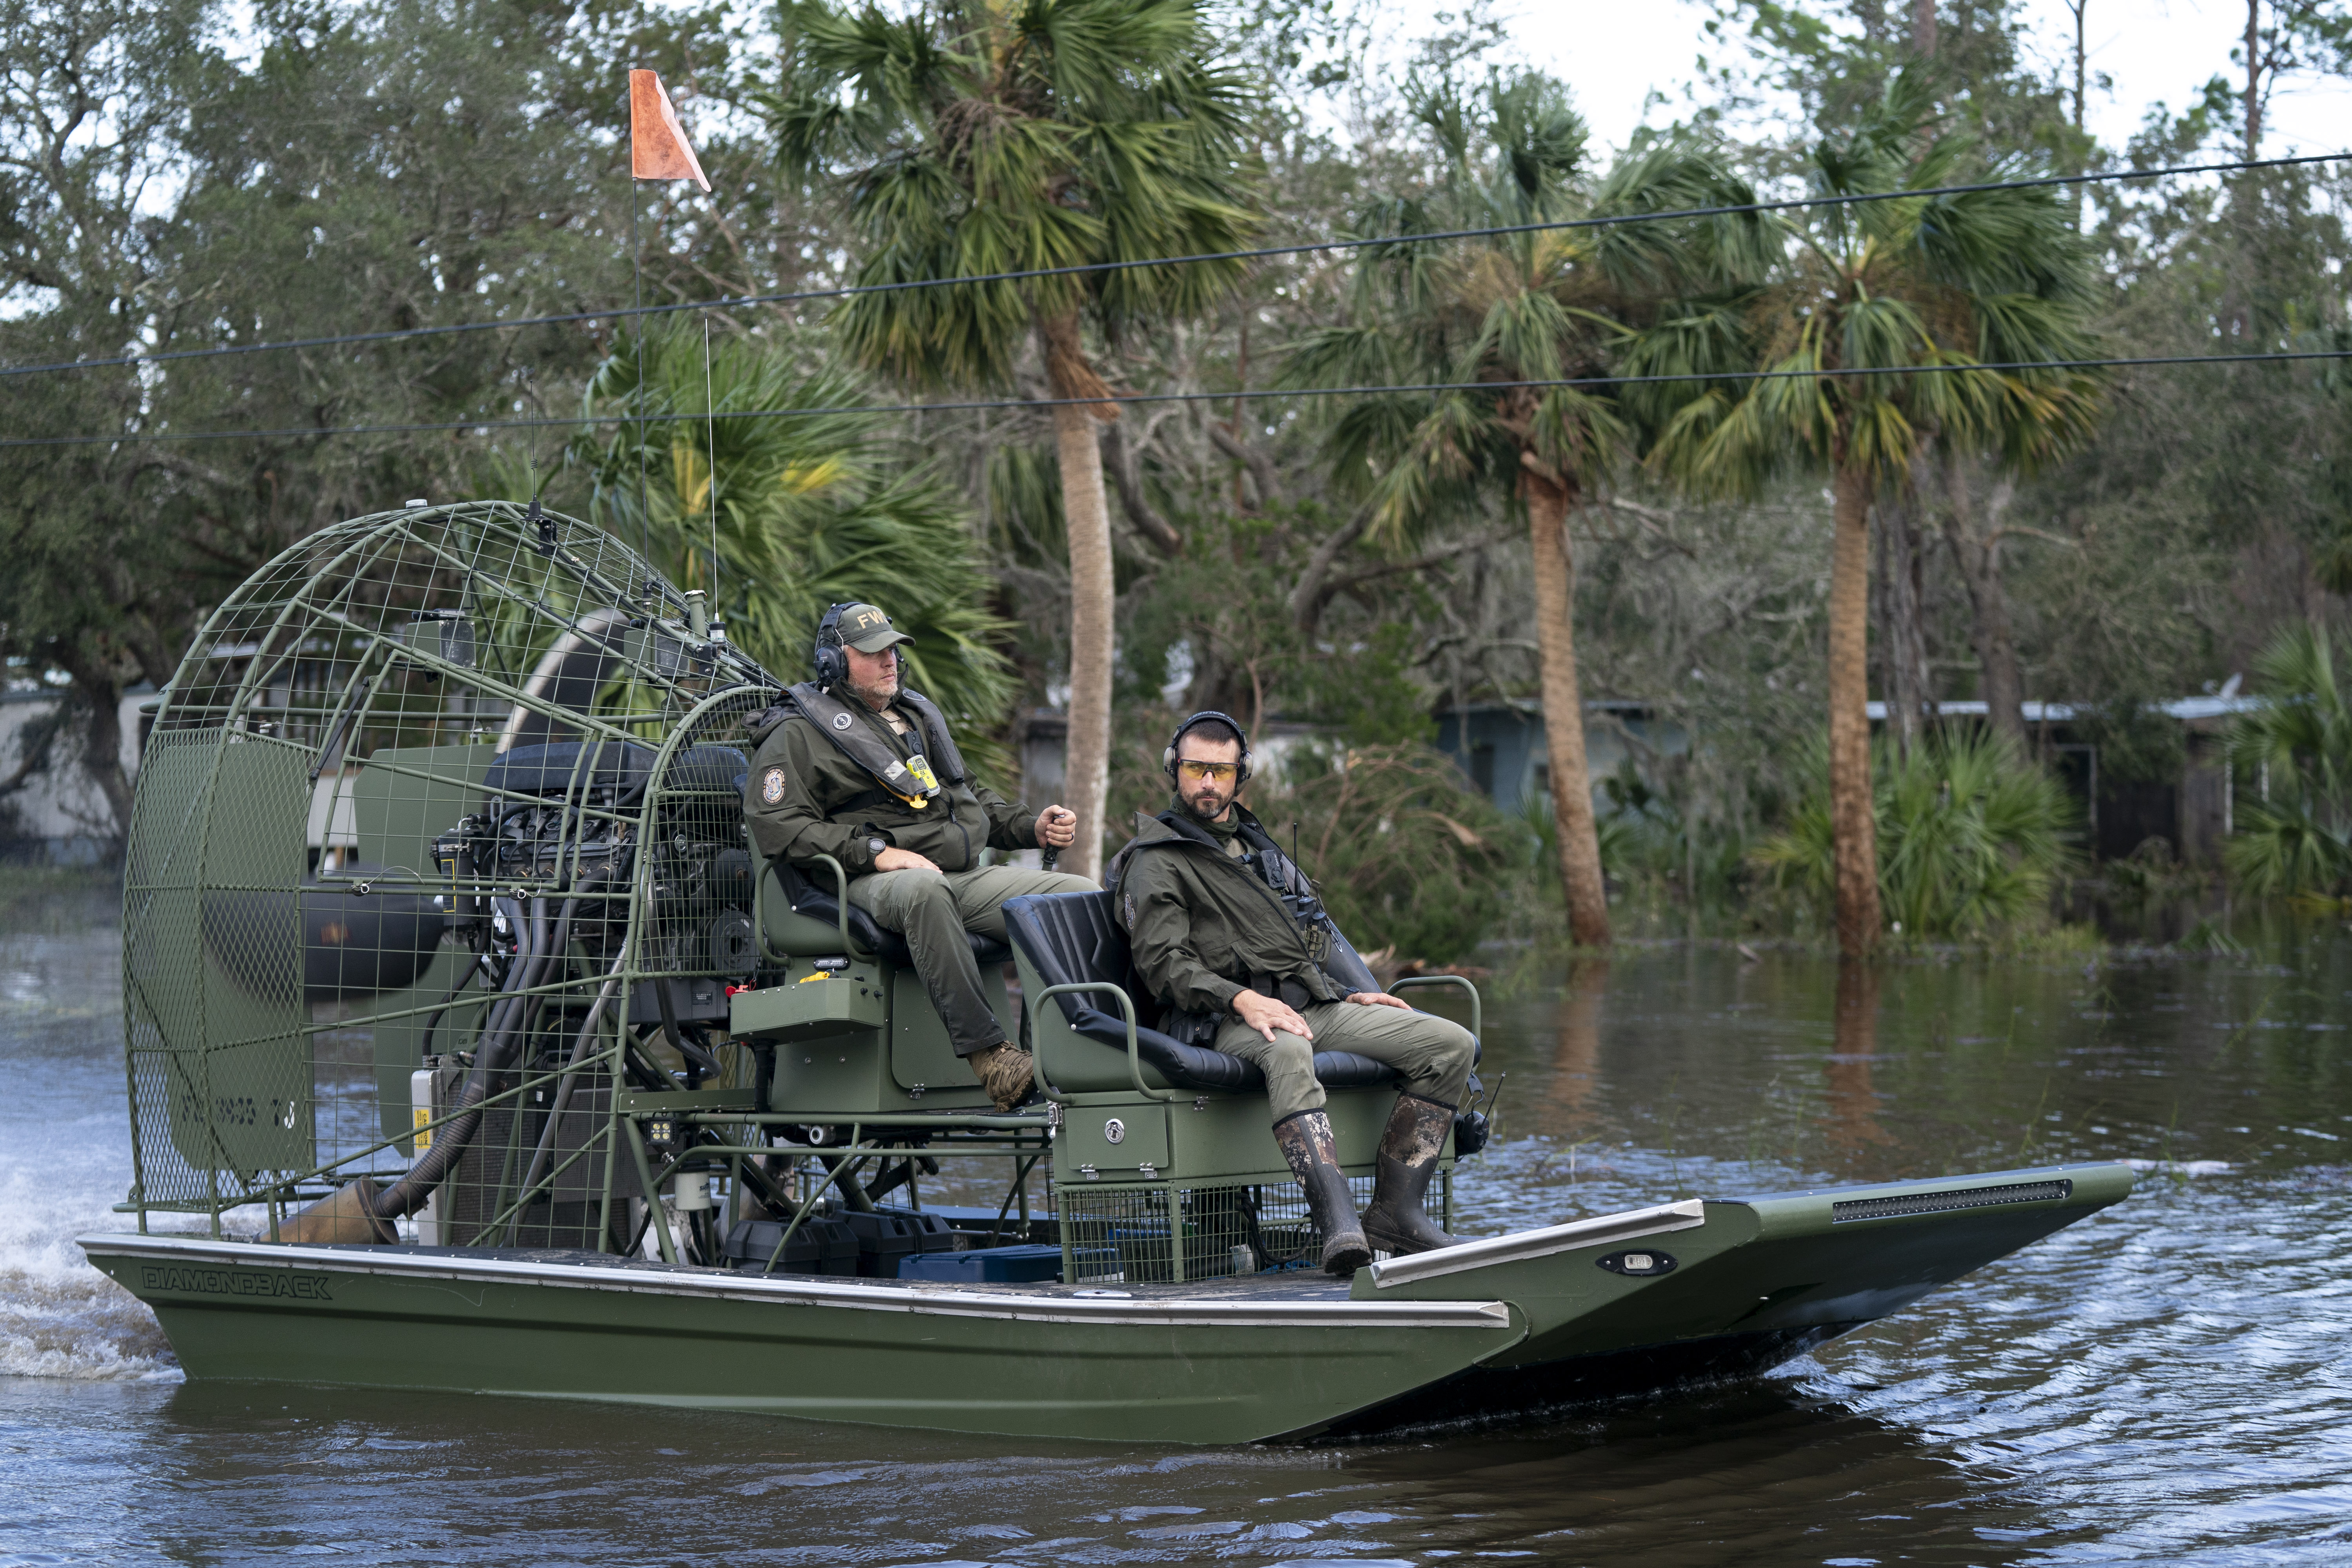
(1563, 705)
(1087, 516)
(1853, 830)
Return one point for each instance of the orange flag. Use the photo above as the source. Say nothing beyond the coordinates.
(658, 149)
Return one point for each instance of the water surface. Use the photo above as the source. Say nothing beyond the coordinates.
(2165, 1382)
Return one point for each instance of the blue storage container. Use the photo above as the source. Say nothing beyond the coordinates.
(987, 1266)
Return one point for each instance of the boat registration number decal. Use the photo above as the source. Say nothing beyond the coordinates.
(234, 1282)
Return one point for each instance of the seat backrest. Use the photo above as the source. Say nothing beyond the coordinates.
(1067, 938)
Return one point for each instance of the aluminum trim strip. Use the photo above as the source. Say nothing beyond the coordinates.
(1341, 1313)
(1522, 1244)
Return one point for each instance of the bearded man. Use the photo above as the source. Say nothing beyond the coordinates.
(1228, 935)
(853, 765)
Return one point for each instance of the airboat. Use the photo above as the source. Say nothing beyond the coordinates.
(458, 1005)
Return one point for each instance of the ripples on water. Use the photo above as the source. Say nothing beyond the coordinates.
(2166, 1382)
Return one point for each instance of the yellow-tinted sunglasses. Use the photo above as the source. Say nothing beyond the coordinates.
(1199, 771)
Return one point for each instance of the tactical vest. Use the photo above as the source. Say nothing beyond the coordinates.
(915, 781)
(1327, 945)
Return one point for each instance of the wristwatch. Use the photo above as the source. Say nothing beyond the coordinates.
(874, 848)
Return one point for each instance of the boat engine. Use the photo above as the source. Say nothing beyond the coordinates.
(450, 791)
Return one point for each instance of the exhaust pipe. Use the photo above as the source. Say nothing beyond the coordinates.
(360, 1212)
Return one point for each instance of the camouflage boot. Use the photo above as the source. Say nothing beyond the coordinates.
(1306, 1141)
(1396, 1223)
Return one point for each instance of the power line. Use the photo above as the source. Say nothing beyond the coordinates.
(1258, 254)
(971, 405)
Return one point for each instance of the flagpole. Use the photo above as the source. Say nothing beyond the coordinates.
(658, 150)
(638, 260)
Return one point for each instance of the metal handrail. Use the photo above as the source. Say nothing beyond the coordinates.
(1127, 1009)
(1477, 1011)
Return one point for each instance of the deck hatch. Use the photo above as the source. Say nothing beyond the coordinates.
(1946, 1202)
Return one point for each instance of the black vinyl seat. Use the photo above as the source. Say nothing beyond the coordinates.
(809, 896)
(1070, 938)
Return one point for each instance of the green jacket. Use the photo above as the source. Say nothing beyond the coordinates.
(1203, 926)
(804, 798)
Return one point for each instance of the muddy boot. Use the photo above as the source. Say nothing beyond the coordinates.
(1306, 1141)
(1005, 1071)
(1395, 1223)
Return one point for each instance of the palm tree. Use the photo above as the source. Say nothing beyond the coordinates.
(1916, 284)
(980, 137)
(2297, 837)
(1974, 837)
(1514, 309)
(805, 515)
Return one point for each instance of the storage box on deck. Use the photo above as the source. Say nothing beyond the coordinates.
(986, 1266)
(819, 1247)
(883, 1239)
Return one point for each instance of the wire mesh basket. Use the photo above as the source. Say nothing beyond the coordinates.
(1167, 1233)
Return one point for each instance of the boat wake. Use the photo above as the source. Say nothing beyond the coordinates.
(58, 1315)
(83, 1326)
(65, 1158)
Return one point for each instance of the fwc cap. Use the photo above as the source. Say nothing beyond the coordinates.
(869, 630)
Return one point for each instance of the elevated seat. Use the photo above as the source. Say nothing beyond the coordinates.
(1067, 938)
(817, 931)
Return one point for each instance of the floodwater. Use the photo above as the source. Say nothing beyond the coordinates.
(2167, 1381)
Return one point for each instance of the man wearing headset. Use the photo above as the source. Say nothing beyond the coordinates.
(855, 765)
(1228, 935)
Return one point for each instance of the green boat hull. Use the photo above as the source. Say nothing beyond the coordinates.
(1489, 1331)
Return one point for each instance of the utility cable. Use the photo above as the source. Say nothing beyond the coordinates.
(969, 405)
(1257, 254)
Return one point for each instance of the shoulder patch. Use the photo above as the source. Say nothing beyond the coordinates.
(840, 721)
(772, 786)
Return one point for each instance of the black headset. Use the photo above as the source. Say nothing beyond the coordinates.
(832, 664)
(1249, 758)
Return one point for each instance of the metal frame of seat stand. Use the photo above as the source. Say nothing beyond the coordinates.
(1133, 1157)
(880, 1114)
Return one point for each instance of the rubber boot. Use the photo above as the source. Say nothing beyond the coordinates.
(1005, 1071)
(1306, 1141)
(1396, 1223)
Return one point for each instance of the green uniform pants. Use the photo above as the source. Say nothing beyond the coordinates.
(932, 909)
(1431, 1053)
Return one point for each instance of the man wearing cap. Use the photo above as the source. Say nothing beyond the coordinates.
(853, 765)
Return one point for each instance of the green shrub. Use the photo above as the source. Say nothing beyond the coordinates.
(2299, 840)
(1971, 838)
(1407, 857)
